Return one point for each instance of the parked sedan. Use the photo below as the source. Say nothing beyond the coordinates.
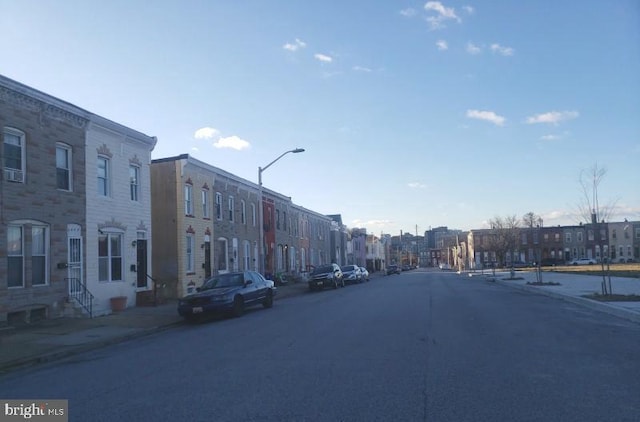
(351, 274)
(583, 261)
(230, 292)
(393, 269)
(365, 273)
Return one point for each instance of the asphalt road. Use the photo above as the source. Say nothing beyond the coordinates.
(411, 347)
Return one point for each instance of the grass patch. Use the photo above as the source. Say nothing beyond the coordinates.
(614, 298)
(616, 270)
(542, 283)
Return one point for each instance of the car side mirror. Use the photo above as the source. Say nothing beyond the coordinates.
(247, 282)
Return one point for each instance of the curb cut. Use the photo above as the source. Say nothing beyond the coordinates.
(591, 304)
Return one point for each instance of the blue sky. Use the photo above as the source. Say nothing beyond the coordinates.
(412, 114)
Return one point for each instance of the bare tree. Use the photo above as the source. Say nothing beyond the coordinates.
(532, 222)
(589, 208)
(591, 212)
(504, 239)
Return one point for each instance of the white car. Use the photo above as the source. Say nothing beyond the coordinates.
(583, 261)
(365, 273)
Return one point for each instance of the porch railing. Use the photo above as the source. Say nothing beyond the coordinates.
(79, 292)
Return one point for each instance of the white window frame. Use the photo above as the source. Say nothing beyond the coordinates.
(68, 156)
(218, 206)
(103, 181)
(190, 265)
(15, 250)
(205, 203)
(188, 199)
(254, 218)
(111, 257)
(134, 183)
(43, 253)
(231, 206)
(14, 174)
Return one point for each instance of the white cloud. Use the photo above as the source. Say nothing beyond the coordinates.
(499, 49)
(295, 46)
(323, 58)
(488, 116)
(361, 69)
(408, 13)
(232, 142)
(473, 49)
(550, 137)
(553, 117)
(379, 223)
(468, 9)
(442, 14)
(206, 133)
(442, 45)
(416, 185)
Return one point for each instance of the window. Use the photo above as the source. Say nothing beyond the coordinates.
(243, 212)
(556, 237)
(231, 207)
(110, 257)
(190, 263)
(134, 182)
(284, 220)
(247, 255)
(14, 155)
(567, 237)
(613, 234)
(188, 199)
(205, 203)
(278, 219)
(15, 257)
(39, 243)
(218, 205)
(253, 215)
(103, 176)
(63, 167)
(579, 237)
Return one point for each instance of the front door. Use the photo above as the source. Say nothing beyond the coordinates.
(141, 263)
(74, 259)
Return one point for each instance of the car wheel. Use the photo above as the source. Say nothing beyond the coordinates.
(268, 301)
(238, 306)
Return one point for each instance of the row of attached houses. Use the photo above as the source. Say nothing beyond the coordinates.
(615, 242)
(79, 195)
(206, 223)
(75, 208)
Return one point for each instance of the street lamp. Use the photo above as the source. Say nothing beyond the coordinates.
(261, 265)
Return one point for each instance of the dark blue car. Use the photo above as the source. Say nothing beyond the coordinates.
(228, 293)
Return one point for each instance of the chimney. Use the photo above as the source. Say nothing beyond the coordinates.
(594, 218)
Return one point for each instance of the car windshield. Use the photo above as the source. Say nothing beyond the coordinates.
(224, 280)
(349, 268)
(322, 270)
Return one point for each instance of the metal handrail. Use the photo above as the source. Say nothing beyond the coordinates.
(78, 291)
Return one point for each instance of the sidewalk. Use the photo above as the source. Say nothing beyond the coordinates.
(572, 288)
(55, 339)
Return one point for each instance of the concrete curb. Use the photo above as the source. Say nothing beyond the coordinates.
(591, 304)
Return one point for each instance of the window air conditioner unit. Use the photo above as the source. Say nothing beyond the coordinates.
(13, 175)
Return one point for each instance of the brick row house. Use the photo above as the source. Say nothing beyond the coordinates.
(557, 245)
(74, 200)
(207, 223)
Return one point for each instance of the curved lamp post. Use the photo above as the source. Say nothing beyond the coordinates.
(261, 265)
